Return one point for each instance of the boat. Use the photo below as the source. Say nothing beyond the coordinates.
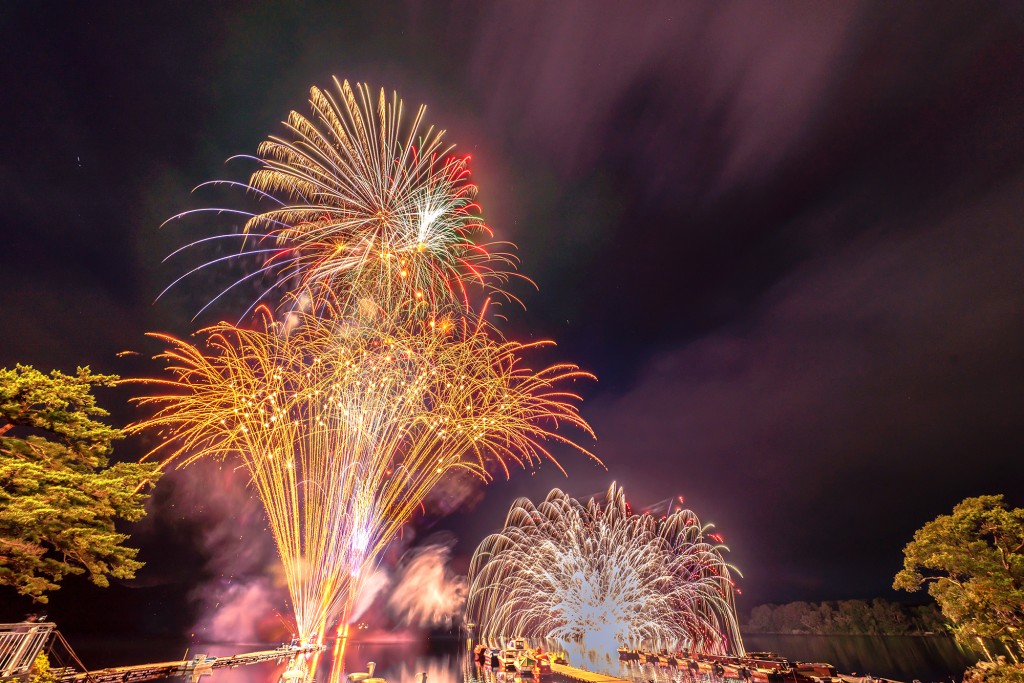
(543, 667)
(510, 653)
(767, 667)
(732, 668)
(758, 675)
(728, 666)
(769, 659)
(359, 677)
(526, 663)
(816, 672)
(708, 666)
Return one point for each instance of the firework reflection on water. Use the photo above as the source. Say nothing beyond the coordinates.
(447, 661)
(407, 662)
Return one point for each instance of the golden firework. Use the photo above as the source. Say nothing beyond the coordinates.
(382, 376)
(344, 429)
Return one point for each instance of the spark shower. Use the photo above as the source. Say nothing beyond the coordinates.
(367, 373)
(595, 577)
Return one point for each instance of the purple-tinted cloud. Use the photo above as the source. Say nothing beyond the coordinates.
(826, 426)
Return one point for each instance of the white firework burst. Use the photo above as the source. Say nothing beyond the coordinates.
(598, 576)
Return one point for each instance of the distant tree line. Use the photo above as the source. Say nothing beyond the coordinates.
(847, 617)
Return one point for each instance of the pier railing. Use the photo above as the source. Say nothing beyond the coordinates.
(21, 643)
(19, 646)
(190, 669)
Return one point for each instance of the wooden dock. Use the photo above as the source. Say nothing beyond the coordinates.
(190, 669)
(584, 675)
(20, 643)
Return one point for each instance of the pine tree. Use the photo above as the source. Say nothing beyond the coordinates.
(59, 497)
(973, 564)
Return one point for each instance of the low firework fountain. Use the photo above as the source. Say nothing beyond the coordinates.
(379, 378)
(597, 576)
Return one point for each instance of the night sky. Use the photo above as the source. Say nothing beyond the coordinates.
(788, 239)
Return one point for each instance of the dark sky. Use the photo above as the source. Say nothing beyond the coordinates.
(787, 237)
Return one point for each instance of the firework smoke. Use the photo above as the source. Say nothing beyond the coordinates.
(427, 593)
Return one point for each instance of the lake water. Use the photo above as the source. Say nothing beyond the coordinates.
(903, 658)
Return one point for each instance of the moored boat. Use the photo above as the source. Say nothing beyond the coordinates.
(728, 666)
(543, 666)
(767, 667)
(816, 672)
(526, 663)
(360, 676)
(510, 654)
(765, 676)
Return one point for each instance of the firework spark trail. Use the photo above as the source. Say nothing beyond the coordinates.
(382, 377)
(344, 431)
(600, 576)
(368, 207)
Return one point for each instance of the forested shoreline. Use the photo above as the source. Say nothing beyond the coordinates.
(847, 617)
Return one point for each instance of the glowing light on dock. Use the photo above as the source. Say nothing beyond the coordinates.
(599, 577)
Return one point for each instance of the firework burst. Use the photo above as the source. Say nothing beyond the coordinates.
(365, 205)
(345, 429)
(382, 377)
(599, 576)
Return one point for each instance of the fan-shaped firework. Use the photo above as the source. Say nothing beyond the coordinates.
(367, 206)
(382, 377)
(600, 576)
(345, 429)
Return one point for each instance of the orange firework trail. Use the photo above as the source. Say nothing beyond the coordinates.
(381, 379)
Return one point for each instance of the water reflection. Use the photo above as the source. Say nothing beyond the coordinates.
(407, 661)
(904, 658)
(395, 662)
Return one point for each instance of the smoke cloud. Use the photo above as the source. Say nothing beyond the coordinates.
(377, 582)
(240, 595)
(427, 593)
